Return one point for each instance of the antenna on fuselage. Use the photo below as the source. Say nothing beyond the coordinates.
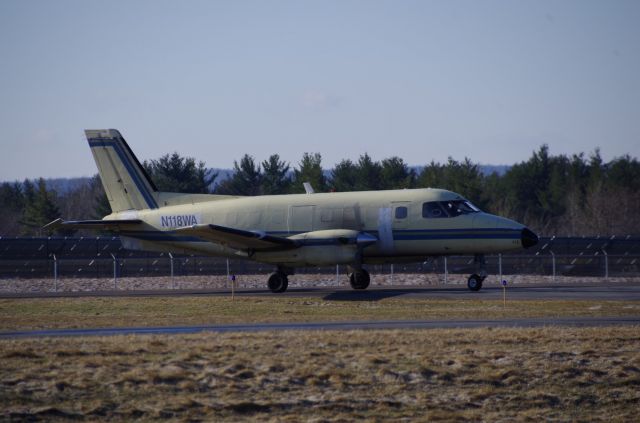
(308, 188)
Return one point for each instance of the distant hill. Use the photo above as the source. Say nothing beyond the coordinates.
(64, 185)
(61, 185)
(499, 169)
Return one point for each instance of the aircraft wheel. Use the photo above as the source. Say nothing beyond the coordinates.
(278, 282)
(474, 282)
(359, 279)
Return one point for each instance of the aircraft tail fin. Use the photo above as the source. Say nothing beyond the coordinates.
(125, 181)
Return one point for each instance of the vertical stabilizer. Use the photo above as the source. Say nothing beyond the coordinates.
(125, 181)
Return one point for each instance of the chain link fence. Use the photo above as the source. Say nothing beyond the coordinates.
(104, 257)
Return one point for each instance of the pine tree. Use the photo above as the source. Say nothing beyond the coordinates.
(12, 205)
(173, 173)
(432, 176)
(396, 174)
(275, 178)
(344, 176)
(369, 174)
(310, 170)
(246, 180)
(29, 192)
(39, 210)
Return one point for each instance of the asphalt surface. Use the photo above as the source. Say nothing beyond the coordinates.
(370, 325)
(592, 291)
(599, 291)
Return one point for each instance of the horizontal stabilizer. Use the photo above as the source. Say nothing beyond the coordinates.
(109, 225)
(238, 238)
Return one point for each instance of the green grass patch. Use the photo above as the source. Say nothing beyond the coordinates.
(88, 312)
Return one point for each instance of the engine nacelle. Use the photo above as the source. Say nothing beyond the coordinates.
(320, 248)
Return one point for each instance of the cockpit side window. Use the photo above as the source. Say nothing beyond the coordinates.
(458, 207)
(433, 209)
(451, 208)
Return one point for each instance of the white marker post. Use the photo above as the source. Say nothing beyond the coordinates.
(115, 272)
(55, 274)
(504, 293)
(553, 265)
(173, 285)
(446, 271)
(606, 264)
(233, 287)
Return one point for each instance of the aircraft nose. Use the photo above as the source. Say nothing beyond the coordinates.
(529, 239)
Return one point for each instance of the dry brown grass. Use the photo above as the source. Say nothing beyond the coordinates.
(565, 374)
(163, 311)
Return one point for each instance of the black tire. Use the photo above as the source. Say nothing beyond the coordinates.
(360, 279)
(278, 282)
(285, 284)
(474, 283)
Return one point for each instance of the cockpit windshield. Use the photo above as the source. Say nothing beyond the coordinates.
(437, 209)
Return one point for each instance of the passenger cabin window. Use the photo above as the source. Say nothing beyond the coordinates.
(401, 212)
(435, 209)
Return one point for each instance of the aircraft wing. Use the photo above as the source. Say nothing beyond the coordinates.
(109, 225)
(238, 238)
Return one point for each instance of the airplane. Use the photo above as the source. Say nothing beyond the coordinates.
(295, 230)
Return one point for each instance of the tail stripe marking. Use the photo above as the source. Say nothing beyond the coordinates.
(128, 165)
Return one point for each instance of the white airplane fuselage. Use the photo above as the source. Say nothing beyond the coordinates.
(289, 231)
(400, 235)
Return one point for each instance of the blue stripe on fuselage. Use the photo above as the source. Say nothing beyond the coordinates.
(148, 197)
(398, 235)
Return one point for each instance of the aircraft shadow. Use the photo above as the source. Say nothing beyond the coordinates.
(381, 294)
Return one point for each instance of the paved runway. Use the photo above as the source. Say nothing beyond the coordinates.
(598, 291)
(259, 327)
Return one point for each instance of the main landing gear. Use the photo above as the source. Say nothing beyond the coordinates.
(474, 283)
(359, 279)
(279, 281)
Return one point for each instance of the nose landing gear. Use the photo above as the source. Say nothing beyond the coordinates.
(474, 283)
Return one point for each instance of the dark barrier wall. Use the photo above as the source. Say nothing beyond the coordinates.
(96, 258)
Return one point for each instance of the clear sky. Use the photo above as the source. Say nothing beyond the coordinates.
(423, 80)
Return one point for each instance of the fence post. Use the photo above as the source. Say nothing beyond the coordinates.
(55, 273)
(115, 272)
(391, 273)
(226, 282)
(446, 271)
(606, 264)
(337, 274)
(553, 265)
(173, 286)
(500, 266)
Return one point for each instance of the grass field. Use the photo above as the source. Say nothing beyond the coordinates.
(561, 374)
(162, 311)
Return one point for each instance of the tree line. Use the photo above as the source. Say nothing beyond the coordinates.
(553, 194)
